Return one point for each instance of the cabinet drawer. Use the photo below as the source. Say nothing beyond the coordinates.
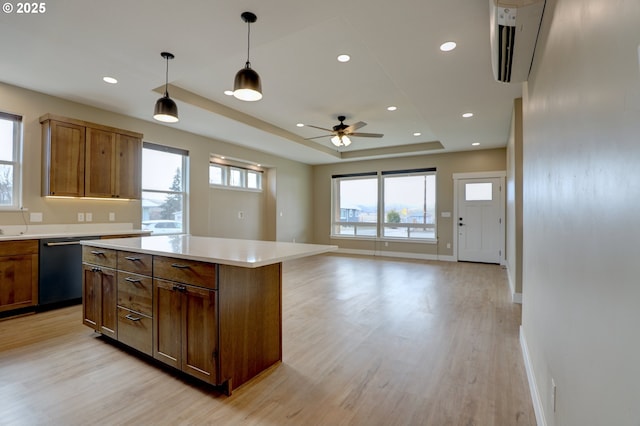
(135, 292)
(202, 274)
(135, 330)
(99, 256)
(11, 248)
(137, 263)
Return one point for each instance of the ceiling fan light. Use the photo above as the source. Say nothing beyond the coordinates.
(166, 110)
(340, 140)
(247, 85)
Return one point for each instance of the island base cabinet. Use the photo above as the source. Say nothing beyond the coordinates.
(99, 295)
(134, 330)
(184, 332)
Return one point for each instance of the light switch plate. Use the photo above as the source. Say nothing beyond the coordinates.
(35, 217)
(88, 217)
(80, 217)
(445, 214)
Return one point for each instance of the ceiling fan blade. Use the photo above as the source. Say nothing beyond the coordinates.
(367, 135)
(355, 126)
(319, 128)
(318, 137)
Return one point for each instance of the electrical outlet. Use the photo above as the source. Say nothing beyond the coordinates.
(112, 216)
(80, 217)
(448, 245)
(35, 217)
(88, 217)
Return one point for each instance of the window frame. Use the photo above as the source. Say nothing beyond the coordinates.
(184, 193)
(380, 223)
(15, 163)
(228, 168)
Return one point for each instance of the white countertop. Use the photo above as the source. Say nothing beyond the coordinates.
(40, 232)
(245, 253)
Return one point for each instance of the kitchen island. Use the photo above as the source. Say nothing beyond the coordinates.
(209, 307)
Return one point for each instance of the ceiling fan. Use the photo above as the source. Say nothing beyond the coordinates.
(341, 132)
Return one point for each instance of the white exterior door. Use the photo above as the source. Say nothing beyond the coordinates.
(479, 220)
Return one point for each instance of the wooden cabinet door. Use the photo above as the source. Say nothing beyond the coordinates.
(108, 303)
(99, 299)
(99, 178)
(65, 148)
(199, 333)
(90, 296)
(17, 281)
(128, 167)
(167, 322)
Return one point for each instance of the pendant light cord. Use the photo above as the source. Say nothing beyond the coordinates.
(166, 79)
(248, 64)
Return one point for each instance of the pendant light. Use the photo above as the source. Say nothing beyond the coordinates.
(166, 109)
(247, 85)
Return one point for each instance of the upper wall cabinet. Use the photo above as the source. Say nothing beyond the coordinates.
(82, 159)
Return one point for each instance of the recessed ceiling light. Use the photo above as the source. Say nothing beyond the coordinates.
(467, 115)
(300, 124)
(475, 143)
(392, 108)
(228, 92)
(344, 58)
(109, 80)
(448, 46)
(417, 134)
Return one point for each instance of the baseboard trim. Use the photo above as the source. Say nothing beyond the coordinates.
(403, 255)
(515, 297)
(533, 387)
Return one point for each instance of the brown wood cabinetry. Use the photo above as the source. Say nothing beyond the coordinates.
(99, 291)
(85, 159)
(219, 323)
(135, 301)
(18, 274)
(185, 327)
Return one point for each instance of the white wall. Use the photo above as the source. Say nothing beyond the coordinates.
(581, 272)
(211, 212)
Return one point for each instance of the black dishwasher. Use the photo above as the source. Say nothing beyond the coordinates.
(60, 268)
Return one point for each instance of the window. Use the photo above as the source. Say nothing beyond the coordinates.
(235, 177)
(478, 191)
(10, 160)
(164, 189)
(409, 205)
(355, 206)
(388, 204)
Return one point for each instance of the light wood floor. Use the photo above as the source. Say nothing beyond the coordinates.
(366, 342)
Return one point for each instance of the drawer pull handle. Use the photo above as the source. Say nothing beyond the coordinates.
(179, 266)
(133, 259)
(133, 280)
(130, 317)
(97, 253)
(180, 288)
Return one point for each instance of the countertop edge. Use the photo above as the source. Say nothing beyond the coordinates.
(310, 250)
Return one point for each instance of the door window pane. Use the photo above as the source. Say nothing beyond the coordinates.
(478, 191)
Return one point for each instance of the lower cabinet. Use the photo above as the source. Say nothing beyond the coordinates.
(185, 328)
(18, 274)
(221, 324)
(99, 299)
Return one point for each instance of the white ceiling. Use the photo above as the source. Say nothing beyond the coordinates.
(394, 46)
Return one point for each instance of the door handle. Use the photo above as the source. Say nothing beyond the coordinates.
(460, 224)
